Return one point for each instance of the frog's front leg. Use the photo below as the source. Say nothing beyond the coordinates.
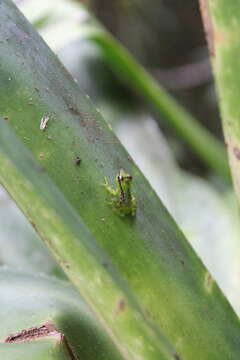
(109, 188)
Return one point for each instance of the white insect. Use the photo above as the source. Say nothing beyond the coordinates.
(43, 122)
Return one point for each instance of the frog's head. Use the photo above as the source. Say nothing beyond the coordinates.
(123, 178)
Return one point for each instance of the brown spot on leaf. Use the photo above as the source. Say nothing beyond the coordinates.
(236, 152)
(120, 306)
(93, 130)
(41, 155)
(208, 26)
(208, 282)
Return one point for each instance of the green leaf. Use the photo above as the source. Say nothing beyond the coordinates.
(222, 24)
(139, 274)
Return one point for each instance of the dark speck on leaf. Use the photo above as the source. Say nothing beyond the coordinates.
(176, 357)
(78, 160)
(120, 306)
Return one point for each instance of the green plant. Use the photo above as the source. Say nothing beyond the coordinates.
(221, 24)
(151, 296)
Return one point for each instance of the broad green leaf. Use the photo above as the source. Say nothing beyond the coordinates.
(193, 202)
(139, 274)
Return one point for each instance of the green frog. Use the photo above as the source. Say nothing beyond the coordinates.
(121, 198)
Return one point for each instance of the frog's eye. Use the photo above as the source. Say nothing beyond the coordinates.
(120, 177)
(130, 177)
